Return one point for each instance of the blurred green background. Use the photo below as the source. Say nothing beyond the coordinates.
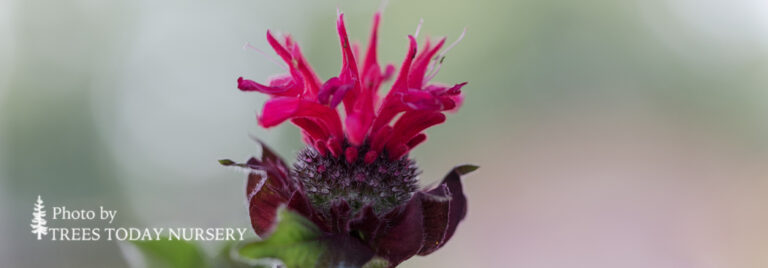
(609, 133)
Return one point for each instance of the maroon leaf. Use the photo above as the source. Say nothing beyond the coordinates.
(301, 205)
(436, 218)
(265, 193)
(450, 188)
(340, 216)
(402, 234)
(269, 187)
(366, 224)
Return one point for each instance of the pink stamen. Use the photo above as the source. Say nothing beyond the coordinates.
(269, 57)
(431, 73)
(418, 28)
(383, 5)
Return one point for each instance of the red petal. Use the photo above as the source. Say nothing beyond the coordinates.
(370, 157)
(349, 72)
(397, 151)
(327, 89)
(285, 55)
(358, 123)
(371, 62)
(380, 139)
(392, 104)
(312, 129)
(371, 70)
(421, 100)
(351, 154)
(321, 148)
(338, 96)
(411, 123)
(277, 88)
(388, 72)
(458, 100)
(334, 146)
(402, 79)
(415, 141)
(279, 49)
(279, 109)
(416, 75)
(312, 82)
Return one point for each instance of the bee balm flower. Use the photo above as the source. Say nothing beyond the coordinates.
(355, 179)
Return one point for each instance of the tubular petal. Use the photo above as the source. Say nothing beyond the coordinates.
(351, 154)
(370, 157)
(310, 77)
(381, 138)
(349, 72)
(391, 106)
(397, 151)
(327, 89)
(415, 141)
(311, 128)
(411, 123)
(279, 109)
(288, 88)
(334, 146)
(321, 147)
(279, 49)
(371, 64)
(416, 74)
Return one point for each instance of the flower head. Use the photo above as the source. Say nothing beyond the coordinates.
(355, 179)
(301, 97)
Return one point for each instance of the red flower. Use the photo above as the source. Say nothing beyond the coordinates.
(355, 178)
(310, 104)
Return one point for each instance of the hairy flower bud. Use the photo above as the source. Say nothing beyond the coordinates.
(383, 183)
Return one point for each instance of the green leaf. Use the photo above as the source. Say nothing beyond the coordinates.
(377, 263)
(299, 243)
(224, 259)
(228, 163)
(465, 169)
(171, 253)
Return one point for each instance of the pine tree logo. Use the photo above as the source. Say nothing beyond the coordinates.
(38, 219)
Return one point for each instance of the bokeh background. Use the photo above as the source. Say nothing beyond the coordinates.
(609, 133)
